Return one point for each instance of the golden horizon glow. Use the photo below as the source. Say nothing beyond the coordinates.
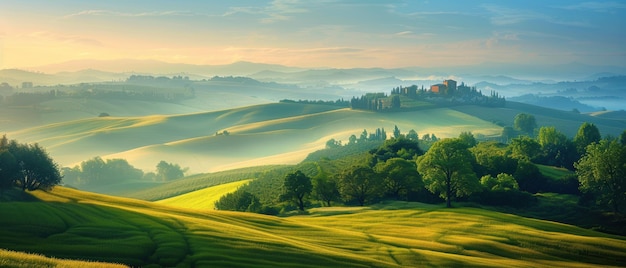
(336, 33)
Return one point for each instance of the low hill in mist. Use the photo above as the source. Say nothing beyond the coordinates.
(279, 133)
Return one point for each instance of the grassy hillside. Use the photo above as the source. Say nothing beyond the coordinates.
(279, 133)
(564, 121)
(66, 223)
(198, 182)
(203, 199)
(9, 258)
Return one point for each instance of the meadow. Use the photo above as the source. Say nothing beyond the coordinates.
(70, 224)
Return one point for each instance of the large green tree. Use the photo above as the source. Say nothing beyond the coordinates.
(326, 189)
(587, 134)
(493, 158)
(447, 170)
(360, 183)
(525, 122)
(35, 168)
(399, 177)
(525, 148)
(602, 172)
(296, 187)
(557, 149)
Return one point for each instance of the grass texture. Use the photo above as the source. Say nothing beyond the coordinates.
(71, 224)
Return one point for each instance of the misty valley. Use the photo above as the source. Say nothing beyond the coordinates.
(338, 167)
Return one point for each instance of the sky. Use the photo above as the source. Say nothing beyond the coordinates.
(326, 33)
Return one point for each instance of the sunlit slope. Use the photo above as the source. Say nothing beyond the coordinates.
(10, 258)
(279, 133)
(73, 223)
(203, 199)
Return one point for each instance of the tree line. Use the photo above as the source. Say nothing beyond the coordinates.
(97, 171)
(462, 169)
(27, 166)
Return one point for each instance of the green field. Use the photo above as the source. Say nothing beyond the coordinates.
(66, 223)
(203, 199)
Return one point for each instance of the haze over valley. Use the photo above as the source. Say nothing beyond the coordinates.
(312, 134)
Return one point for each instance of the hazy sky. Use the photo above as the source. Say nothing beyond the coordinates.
(327, 33)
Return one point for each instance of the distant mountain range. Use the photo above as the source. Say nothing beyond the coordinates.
(497, 72)
(506, 79)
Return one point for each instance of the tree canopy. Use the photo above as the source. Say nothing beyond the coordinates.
(587, 134)
(602, 172)
(399, 177)
(525, 122)
(360, 183)
(296, 187)
(28, 166)
(446, 170)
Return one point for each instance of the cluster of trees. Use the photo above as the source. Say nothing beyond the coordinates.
(27, 166)
(393, 102)
(97, 171)
(371, 102)
(340, 102)
(381, 135)
(462, 168)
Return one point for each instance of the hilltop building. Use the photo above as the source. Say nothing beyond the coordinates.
(438, 88)
(447, 88)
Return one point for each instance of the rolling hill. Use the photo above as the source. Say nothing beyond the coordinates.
(278, 133)
(66, 223)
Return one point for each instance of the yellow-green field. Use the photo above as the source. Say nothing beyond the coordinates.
(203, 199)
(279, 133)
(79, 225)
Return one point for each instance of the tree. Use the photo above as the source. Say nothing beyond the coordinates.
(398, 147)
(557, 149)
(360, 183)
(602, 172)
(502, 182)
(412, 135)
(395, 102)
(325, 189)
(239, 201)
(363, 137)
(8, 169)
(396, 132)
(35, 169)
(528, 177)
(399, 176)
(525, 122)
(493, 158)
(622, 138)
(587, 134)
(296, 187)
(525, 148)
(507, 134)
(446, 169)
(167, 171)
(468, 138)
(352, 140)
(332, 143)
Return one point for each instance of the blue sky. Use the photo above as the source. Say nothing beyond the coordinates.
(328, 33)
